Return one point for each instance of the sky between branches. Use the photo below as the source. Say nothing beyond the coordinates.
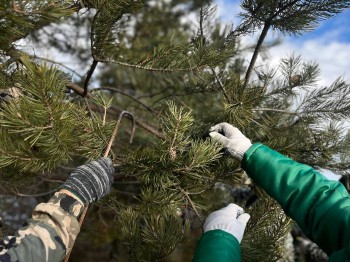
(328, 45)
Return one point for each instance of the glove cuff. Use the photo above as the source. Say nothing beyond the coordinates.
(91, 181)
(70, 188)
(241, 148)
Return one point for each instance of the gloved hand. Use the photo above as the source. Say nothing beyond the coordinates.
(230, 219)
(91, 181)
(232, 139)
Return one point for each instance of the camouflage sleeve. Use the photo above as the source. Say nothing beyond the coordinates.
(48, 235)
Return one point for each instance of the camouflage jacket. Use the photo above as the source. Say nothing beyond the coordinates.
(48, 235)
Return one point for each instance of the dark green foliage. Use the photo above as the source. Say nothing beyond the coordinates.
(151, 238)
(177, 81)
(42, 128)
(262, 236)
(292, 16)
(19, 18)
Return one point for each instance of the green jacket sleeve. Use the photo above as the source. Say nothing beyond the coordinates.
(48, 235)
(218, 246)
(320, 207)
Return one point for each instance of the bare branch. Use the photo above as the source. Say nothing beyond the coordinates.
(35, 195)
(77, 89)
(221, 85)
(275, 110)
(56, 63)
(142, 124)
(165, 70)
(191, 204)
(125, 94)
(256, 53)
(88, 77)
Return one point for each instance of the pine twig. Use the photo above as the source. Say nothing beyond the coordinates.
(125, 94)
(37, 195)
(165, 70)
(275, 110)
(172, 152)
(262, 37)
(88, 77)
(77, 89)
(80, 91)
(115, 131)
(88, 105)
(105, 154)
(191, 204)
(256, 53)
(142, 124)
(220, 84)
(56, 63)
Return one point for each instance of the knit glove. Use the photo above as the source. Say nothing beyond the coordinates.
(91, 181)
(231, 138)
(230, 219)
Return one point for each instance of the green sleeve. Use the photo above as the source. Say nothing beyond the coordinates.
(218, 246)
(320, 207)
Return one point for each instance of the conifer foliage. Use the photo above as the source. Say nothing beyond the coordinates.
(42, 128)
(177, 79)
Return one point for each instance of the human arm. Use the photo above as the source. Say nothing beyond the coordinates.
(54, 226)
(319, 206)
(223, 232)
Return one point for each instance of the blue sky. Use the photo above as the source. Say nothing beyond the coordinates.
(339, 26)
(328, 44)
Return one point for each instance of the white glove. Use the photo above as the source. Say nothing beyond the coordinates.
(231, 138)
(230, 219)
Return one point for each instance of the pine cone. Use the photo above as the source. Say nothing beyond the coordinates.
(295, 80)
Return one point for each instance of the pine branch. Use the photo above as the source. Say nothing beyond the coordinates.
(88, 76)
(265, 232)
(125, 94)
(147, 68)
(35, 195)
(275, 110)
(142, 124)
(56, 63)
(30, 18)
(257, 50)
(332, 101)
(191, 204)
(43, 126)
(293, 17)
(77, 89)
(221, 86)
(278, 16)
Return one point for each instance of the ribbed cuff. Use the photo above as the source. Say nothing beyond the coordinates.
(75, 193)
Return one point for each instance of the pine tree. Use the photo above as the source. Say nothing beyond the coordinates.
(177, 81)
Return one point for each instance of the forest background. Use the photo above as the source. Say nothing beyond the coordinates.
(178, 70)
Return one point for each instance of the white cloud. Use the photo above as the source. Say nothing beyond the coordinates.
(333, 57)
(327, 50)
